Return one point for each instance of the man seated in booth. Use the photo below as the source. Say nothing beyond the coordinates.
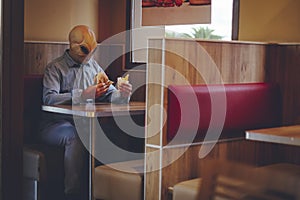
(75, 70)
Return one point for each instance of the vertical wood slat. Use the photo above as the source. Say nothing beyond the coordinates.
(154, 86)
(153, 129)
(152, 174)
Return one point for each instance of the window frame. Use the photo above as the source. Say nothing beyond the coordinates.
(129, 64)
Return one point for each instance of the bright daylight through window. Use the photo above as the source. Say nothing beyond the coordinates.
(219, 29)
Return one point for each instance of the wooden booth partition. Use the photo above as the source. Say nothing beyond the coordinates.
(183, 62)
(283, 66)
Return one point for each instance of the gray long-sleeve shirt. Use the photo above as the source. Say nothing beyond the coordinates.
(62, 75)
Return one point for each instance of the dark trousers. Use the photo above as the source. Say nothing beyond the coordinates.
(64, 134)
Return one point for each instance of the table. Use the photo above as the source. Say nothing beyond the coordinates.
(99, 110)
(289, 135)
(92, 112)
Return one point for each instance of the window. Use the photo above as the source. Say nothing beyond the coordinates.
(219, 28)
(224, 23)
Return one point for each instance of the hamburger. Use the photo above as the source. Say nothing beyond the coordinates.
(101, 77)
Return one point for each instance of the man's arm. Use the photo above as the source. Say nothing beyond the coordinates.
(51, 89)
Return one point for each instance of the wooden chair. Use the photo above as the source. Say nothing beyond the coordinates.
(232, 181)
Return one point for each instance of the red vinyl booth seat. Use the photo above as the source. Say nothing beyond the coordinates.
(248, 106)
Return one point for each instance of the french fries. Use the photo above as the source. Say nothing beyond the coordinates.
(122, 80)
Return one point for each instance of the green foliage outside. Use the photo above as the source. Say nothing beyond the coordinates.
(198, 32)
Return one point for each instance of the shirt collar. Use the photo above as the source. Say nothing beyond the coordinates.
(71, 63)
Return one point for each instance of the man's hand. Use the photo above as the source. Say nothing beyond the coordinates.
(95, 91)
(125, 89)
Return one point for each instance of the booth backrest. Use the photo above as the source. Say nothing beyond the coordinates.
(248, 106)
(32, 106)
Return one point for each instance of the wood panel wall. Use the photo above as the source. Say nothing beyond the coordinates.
(195, 62)
(38, 54)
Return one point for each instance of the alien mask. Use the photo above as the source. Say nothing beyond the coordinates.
(82, 43)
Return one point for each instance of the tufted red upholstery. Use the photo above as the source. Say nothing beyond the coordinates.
(248, 106)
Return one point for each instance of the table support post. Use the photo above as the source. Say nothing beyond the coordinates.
(91, 156)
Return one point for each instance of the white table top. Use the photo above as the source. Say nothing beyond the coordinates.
(98, 109)
(282, 135)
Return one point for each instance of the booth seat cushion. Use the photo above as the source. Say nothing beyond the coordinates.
(121, 180)
(248, 106)
(187, 190)
(34, 164)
